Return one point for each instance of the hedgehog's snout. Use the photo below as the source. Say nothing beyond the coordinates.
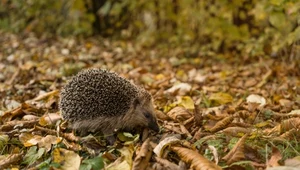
(154, 126)
(152, 122)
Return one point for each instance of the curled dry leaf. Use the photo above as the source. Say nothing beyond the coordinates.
(292, 123)
(46, 95)
(237, 152)
(10, 114)
(49, 119)
(16, 124)
(167, 165)
(125, 161)
(185, 131)
(143, 156)
(181, 88)
(236, 131)
(179, 114)
(159, 149)
(219, 112)
(162, 116)
(10, 160)
(221, 124)
(68, 160)
(291, 134)
(198, 115)
(30, 117)
(196, 160)
(275, 157)
(254, 98)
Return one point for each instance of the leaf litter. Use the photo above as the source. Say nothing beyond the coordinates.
(230, 115)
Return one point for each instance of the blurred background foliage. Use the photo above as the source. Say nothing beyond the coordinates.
(252, 27)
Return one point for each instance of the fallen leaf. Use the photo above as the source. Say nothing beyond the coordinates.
(125, 161)
(181, 88)
(237, 152)
(179, 114)
(197, 161)
(253, 98)
(187, 102)
(68, 160)
(49, 119)
(275, 157)
(142, 158)
(221, 98)
(159, 149)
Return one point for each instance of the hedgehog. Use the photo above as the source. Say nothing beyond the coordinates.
(97, 100)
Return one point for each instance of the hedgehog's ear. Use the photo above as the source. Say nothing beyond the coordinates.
(136, 102)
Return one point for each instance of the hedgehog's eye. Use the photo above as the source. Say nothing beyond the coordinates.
(147, 115)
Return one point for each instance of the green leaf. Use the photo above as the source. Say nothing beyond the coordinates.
(94, 163)
(276, 2)
(277, 19)
(33, 155)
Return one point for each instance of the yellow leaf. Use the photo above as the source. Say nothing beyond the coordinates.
(68, 160)
(187, 102)
(125, 161)
(221, 98)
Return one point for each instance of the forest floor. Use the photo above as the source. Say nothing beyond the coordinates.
(214, 112)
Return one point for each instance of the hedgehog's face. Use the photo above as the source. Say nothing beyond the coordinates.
(144, 112)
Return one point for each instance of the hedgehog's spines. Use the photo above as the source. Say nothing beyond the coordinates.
(97, 99)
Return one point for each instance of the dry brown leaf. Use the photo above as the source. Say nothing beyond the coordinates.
(159, 149)
(196, 160)
(9, 115)
(237, 152)
(236, 131)
(221, 124)
(286, 103)
(10, 159)
(49, 119)
(142, 158)
(291, 134)
(46, 95)
(16, 123)
(218, 112)
(49, 140)
(288, 124)
(185, 131)
(162, 116)
(167, 165)
(275, 157)
(179, 114)
(198, 115)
